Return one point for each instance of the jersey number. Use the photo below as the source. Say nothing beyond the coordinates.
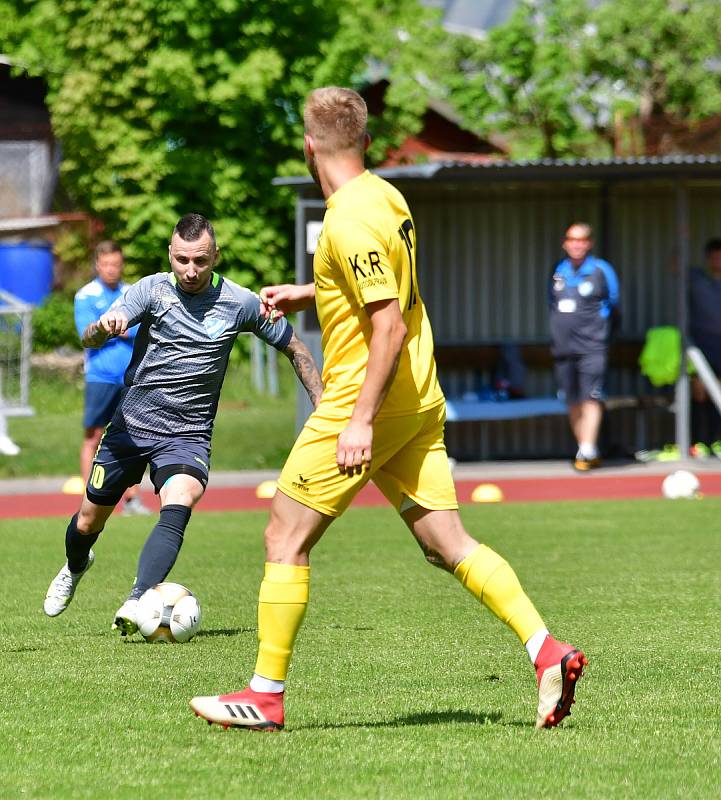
(405, 232)
(98, 477)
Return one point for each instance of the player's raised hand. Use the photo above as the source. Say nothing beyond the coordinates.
(353, 450)
(277, 301)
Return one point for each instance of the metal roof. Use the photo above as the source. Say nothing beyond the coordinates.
(697, 166)
(27, 223)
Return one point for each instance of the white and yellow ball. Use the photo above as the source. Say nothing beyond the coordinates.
(168, 612)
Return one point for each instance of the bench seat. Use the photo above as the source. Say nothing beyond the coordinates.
(460, 410)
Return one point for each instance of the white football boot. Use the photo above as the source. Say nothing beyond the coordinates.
(62, 588)
(134, 507)
(125, 617)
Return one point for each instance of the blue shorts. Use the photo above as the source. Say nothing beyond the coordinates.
(101, 400)
(121, 461)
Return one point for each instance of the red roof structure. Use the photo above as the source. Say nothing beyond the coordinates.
(440, 139)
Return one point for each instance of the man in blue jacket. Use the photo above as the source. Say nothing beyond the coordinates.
(105, 366)
(583, 298)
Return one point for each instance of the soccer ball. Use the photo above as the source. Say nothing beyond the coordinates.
(680, 484)
(168, 612)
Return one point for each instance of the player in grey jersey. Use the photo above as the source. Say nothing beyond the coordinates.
(189, 319)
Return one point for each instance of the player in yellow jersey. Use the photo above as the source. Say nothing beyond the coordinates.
(380, 418)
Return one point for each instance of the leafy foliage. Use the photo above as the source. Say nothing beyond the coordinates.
(170, 106)
(167, 106)
(54, 324)
(657, 64)
(525, 79)
(561, 78)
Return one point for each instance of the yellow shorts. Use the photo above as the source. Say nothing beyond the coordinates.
(408, 464)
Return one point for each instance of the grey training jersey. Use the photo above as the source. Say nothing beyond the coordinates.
(181, 353)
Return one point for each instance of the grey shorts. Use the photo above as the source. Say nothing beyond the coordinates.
(581, 377)
(121, 461)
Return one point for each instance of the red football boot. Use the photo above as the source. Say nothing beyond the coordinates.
(558, 667)
(255, 711)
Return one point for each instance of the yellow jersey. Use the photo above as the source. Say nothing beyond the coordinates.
(367, 252)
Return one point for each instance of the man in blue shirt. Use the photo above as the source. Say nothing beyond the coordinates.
(583, 298)
(105, 366)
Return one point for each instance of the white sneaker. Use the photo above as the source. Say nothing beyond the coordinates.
(125, 618)
(8, 446)
(61, 590)
(134, 507)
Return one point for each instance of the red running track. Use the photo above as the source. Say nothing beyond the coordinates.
(515, 490)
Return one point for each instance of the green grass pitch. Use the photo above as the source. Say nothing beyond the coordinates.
(402, 685)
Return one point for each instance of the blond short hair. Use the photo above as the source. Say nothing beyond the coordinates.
(336, 118)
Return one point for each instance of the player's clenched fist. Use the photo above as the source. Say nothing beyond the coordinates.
(112, 323)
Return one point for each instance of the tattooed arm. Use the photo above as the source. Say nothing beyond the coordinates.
(305, 368)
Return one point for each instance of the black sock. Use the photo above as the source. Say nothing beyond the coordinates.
(161, 548)
(77, 546)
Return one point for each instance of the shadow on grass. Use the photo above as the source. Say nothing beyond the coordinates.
(217, 632)
(224, 632)
(421, 718)
(336, 626)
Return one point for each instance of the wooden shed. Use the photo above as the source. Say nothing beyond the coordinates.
(488, 236)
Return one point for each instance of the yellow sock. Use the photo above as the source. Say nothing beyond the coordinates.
(282, 603)
(490, 579)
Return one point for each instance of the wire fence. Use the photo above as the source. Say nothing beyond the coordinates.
(15, 348)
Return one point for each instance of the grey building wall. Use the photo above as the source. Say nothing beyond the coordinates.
(28, 171)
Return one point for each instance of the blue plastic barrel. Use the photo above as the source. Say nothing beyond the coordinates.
(26, 270)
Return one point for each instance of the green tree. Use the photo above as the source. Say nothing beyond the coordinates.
(562, 78)
(167, 106)
(657, 65)
(525, 80)
(403, 43)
